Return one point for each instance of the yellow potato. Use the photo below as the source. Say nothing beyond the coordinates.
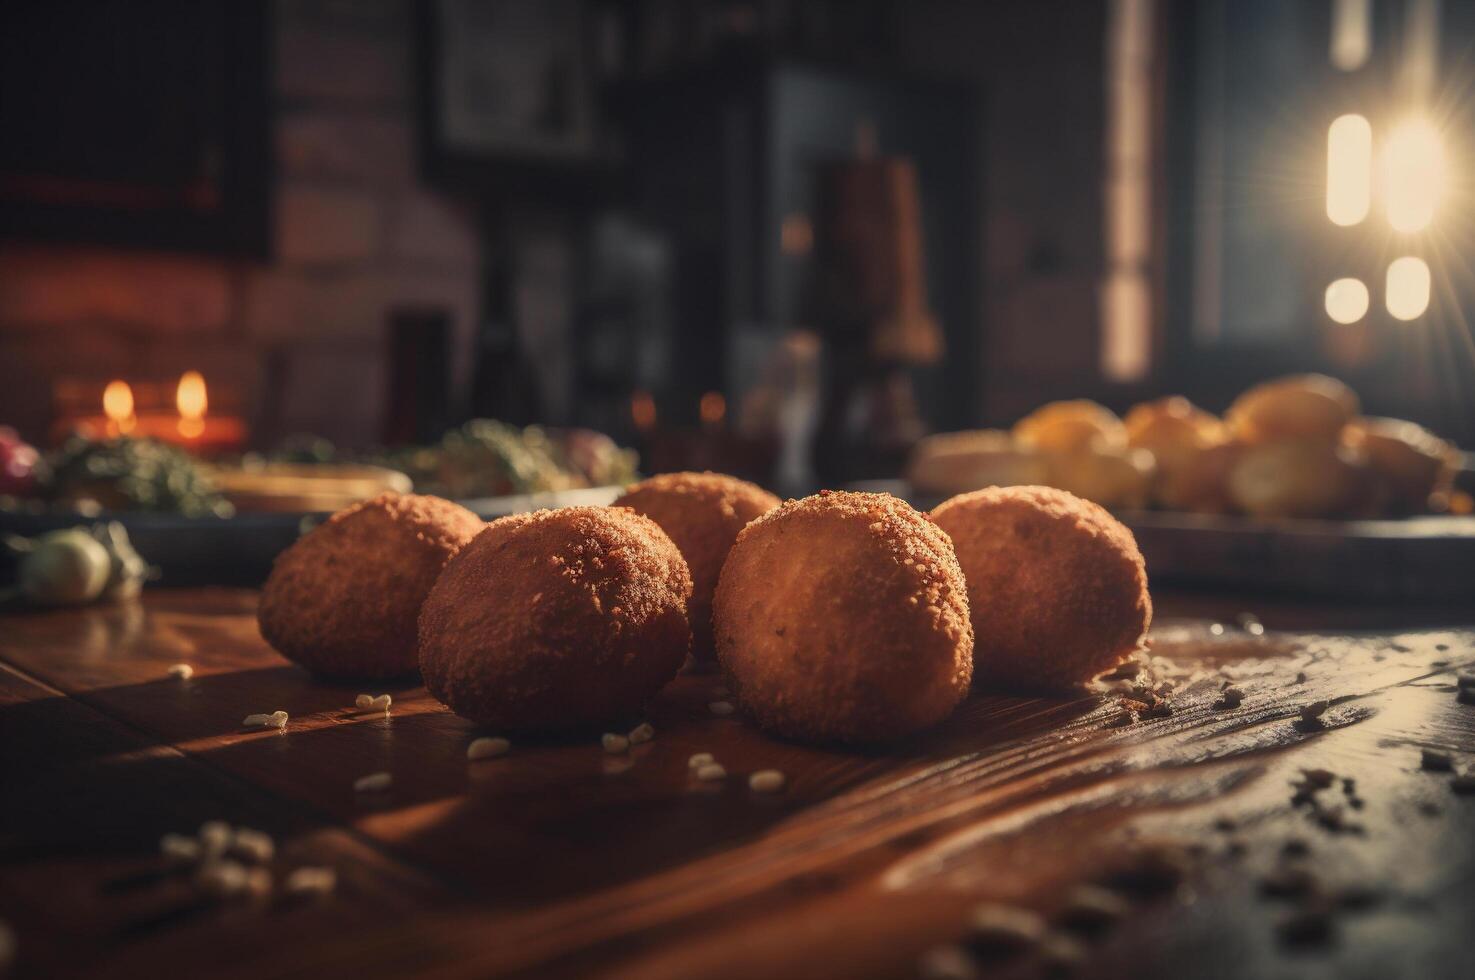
(1062, 427)
(1199, 480)
(955, 462)
(1410, 461)
(1109, 477)
(1307, 406)
(1295, 478)
(1176, 433)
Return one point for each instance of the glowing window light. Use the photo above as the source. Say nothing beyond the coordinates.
(1349, 169)
(1346, 300)
(1413, 175)
(1407, 292)
(1352, 34)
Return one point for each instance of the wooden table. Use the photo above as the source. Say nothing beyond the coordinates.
(559, 859)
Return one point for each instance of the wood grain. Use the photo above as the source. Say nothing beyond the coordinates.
(562, 860)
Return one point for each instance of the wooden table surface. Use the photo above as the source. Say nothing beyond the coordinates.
(560, 860)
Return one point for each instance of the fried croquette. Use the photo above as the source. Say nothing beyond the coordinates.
(343, 600)
(702, 513)
(1057, 589)
(843, 617)
(557, 620)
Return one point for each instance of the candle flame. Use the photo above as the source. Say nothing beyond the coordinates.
(643, 410)
(117, 405)
(192, 401)
(713, 407)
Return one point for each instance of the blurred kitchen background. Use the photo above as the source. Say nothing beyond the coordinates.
(781, 238)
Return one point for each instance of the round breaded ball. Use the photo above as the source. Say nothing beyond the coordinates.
(702, 513)
(1056, 586)
(344, 599)
(557, 620)
(843, 617)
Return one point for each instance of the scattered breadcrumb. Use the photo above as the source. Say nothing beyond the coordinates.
(277, 719)
(306, 882)
(222, 878)
(373, 783)
(994, 926)
(614, 744)
(951, 962)
(1435, 761)
(258, 720)
(182, 671)
(253, 845)
(721, 708)
(258, 884)
(179, 849)
(383, 701)
(1091, 907)
(1230, 697)
(641, 733)
(215, 838)
(1061, 952)
(711, 772)
(699, 760)
(487, 748)
(363, 700)
(766, 781)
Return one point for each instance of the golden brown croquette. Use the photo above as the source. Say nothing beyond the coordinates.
(843, 617)
(343, 600)
(1057, 589)
(703, 513)
(561, 619)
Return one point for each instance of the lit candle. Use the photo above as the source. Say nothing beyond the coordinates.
(191, 400)
(117, 405)
(713, 408)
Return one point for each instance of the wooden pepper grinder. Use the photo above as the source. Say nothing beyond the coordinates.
(868, 297)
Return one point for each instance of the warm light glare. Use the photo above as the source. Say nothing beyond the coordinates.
(1407, 293)
(1352, 36)
(796, 235)
(643, 411)
(117, 405)
(713, 407)
(1346, 300)
(1349, 169)
(1413, 175)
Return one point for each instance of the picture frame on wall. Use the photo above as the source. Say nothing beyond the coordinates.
(507, 98)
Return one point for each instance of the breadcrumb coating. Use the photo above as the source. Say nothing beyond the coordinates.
(557, 620)
(843, 617)
(343, 600)
(703, 513)
(1057, 589)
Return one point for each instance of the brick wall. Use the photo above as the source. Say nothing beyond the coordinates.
(302, 336)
